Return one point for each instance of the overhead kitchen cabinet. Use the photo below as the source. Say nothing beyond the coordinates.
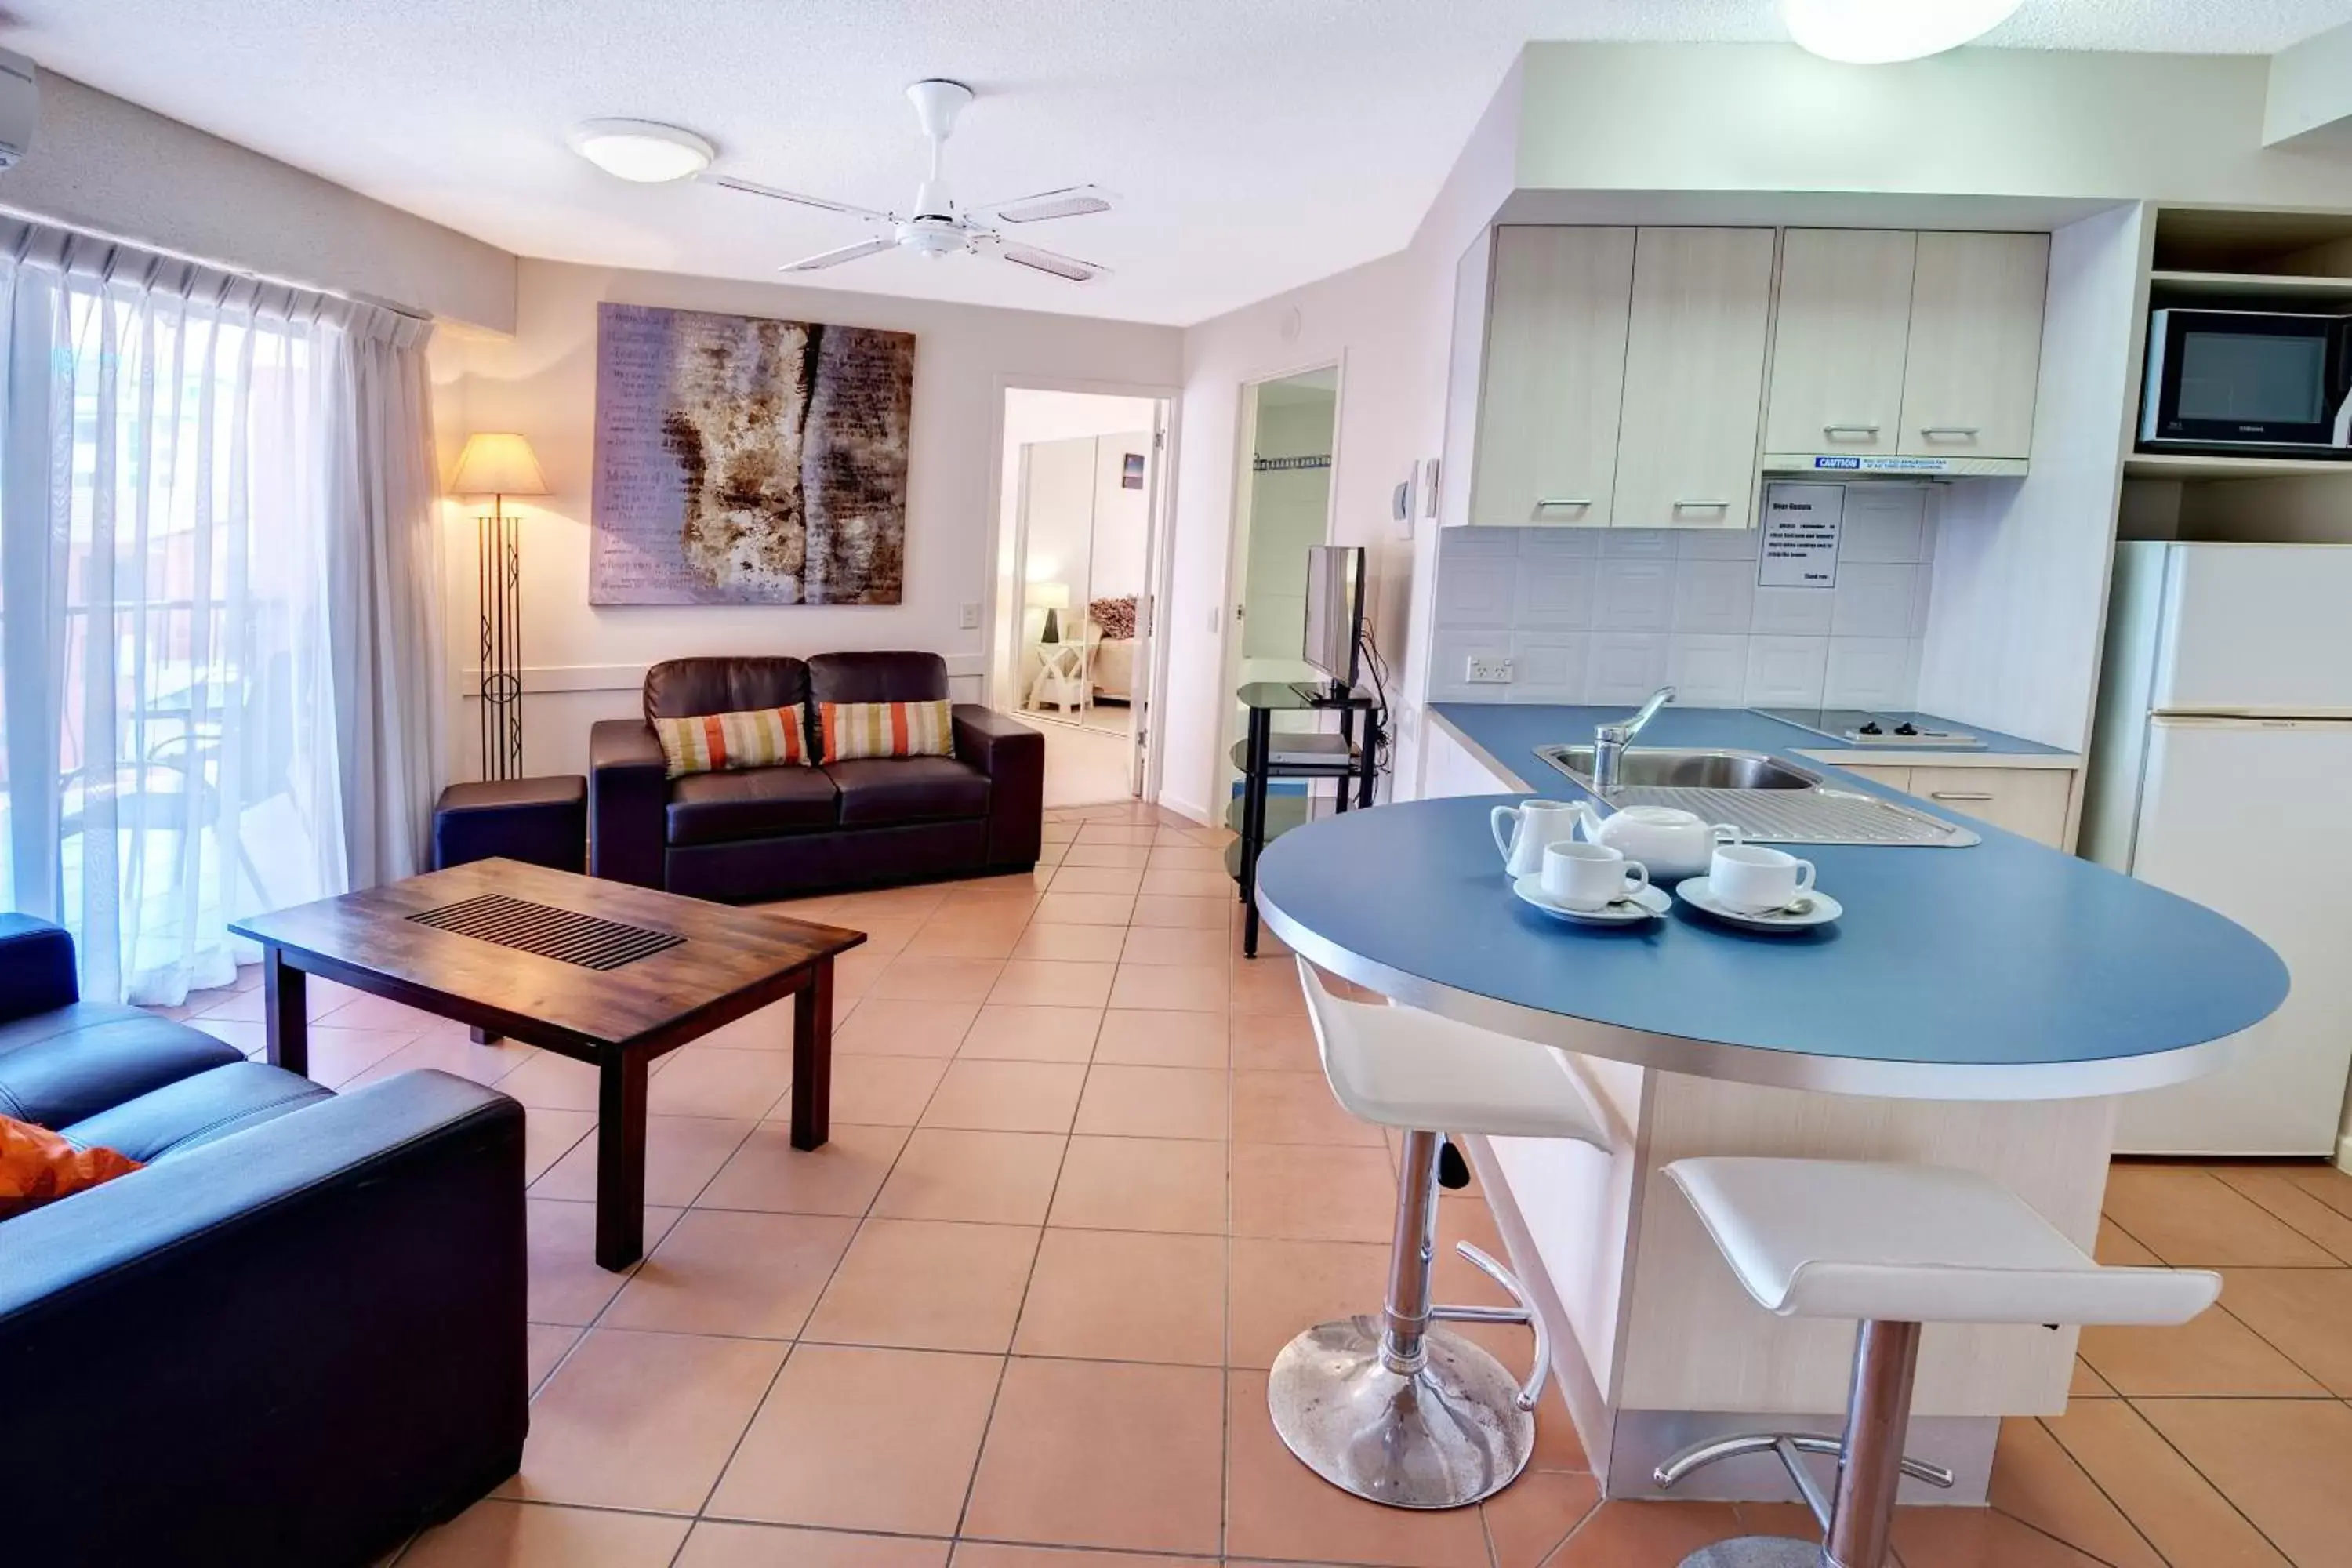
(1838, 346)
(1976, 345)
(1553, 377)
(1693, 392)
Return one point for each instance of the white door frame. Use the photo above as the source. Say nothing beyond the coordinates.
(1159, 548)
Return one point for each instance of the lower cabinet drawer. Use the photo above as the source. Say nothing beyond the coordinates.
(2028, 802)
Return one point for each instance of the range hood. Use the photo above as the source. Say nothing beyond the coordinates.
(1831, 467)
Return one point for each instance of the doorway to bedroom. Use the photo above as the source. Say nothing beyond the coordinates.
(1077, 542)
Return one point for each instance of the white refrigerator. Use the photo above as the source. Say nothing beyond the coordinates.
(2222, 769)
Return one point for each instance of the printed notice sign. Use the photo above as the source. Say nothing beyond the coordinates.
(1799, 547)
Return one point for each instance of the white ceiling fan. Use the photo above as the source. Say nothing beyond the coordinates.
(938, 226)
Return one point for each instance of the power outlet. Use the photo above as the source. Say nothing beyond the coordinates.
(1488, 670)
(971, 617)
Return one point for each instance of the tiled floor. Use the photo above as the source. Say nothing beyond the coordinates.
(1084, 1181)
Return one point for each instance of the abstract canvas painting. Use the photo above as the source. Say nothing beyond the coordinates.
(746, 461)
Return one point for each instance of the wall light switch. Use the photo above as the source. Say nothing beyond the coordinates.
(1489, 669)
(971, 617)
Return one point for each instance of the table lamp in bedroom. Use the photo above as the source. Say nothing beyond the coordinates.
(1052, 598)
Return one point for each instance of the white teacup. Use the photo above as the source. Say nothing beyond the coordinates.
(1591, 876)
(1753, 877)
(1535, 826)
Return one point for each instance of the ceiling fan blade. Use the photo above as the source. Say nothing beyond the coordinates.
(1051, 261)
(797, 199)
(824, 258)
(1073, 201)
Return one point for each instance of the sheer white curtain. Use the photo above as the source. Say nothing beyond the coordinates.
(176, 447)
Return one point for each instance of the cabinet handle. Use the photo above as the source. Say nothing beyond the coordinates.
(1550, 502)
(1850, 429)
(1702, 506)
(1966, 432)
(1958, 794)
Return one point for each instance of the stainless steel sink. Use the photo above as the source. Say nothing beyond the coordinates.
(1769, 801)
(1662, 767)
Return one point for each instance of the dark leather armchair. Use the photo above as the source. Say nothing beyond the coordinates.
(294, 1337)
(767, 833)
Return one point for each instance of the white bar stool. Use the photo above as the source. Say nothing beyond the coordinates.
(1893, 1247)
(1389, 1407)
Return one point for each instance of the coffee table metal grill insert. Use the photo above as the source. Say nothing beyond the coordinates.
(584, 939)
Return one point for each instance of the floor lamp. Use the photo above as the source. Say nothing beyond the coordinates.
(499, 464)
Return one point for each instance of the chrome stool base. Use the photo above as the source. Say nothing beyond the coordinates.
(1757, 1551)
(1444, 1436)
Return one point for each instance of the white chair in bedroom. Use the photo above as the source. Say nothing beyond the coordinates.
(1392, 1407)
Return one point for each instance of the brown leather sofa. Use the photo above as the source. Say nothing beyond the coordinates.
(774, 833)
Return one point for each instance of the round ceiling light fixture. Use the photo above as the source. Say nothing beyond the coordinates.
(1879, 32)
(641, 150)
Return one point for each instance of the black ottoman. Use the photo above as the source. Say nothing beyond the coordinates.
(544, 821)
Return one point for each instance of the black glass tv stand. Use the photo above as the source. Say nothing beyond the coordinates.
(1351, 763)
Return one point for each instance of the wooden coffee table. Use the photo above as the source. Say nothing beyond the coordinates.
(601, 972)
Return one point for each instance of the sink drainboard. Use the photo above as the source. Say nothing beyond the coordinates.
(1806, 816)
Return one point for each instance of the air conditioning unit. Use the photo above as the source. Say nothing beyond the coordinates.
(20, 108)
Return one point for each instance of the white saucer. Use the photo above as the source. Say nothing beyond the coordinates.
(1646, 905)
(1699, 895)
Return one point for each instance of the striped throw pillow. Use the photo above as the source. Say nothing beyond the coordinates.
(853, 729)
(707, 743)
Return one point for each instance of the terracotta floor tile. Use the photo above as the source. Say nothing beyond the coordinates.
(1281, 1289)
(716, 1545)
(1141, 1183)
(839, 1178)
(854, 971)
(494, 1534)
(1114, 1295)
(1188, 857)
(997, 1554)
(1645, 1535)
(2325, 1182)
(339, 1056)
(545, 1344)
(2087, 1384)
(937, 979)
(886, 1091)
(965, 934)
(863, 1440)
(1198, 914)
(1006, 1096)
(1072, 879)
(1153, 1102)
(1168, 882)
(927, 1285)
(1028, 1034)
(1103, 1454)
(450, 1052)
(2305, 1312)
(1274, 1042)
(2212, 1355)
(1178, 987)
(1071, 944)
(642, 1421)
(1160, 1037)
(2116, 1249)
(1174, 944)
(903, 1027)
(1085, 908)
(1001, 1178)
(1278, 1507)
(708, 1081)
(2295, 1203)
(1977, 1538)
(2167, 1500)
(552, 1082)
(362, 1010)
(549, 1135)
(1295, 1108)
(2037, 1480)
(1130, 856)
(885, 934)
(1268, 985)
(1007, 897)
(917, 902)
(726, 1272)
(2283, 1463)
(1307, 1193)
(1526, 1519)
(682, 1154)
(2191, 1219)
(567, 1287)
(1107, 832)
(1050, 982)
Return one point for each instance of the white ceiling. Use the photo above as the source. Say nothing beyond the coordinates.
(1258, 144)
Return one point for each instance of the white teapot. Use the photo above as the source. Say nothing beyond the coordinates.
(1672, 842)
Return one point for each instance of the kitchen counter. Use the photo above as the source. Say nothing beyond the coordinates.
(1976, 1006)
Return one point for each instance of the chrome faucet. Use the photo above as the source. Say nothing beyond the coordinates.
(1610, 741)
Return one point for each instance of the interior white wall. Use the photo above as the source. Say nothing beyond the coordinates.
(585, 662)
(100, 164)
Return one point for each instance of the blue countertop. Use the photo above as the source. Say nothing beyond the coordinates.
(2000, 970)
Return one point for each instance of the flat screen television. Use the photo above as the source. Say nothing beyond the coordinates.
(1335, 618)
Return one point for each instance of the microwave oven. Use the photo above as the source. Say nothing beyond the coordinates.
(2247, 380)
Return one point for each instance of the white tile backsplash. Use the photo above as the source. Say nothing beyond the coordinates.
(1606, 616)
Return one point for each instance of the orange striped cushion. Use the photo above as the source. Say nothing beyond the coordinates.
(706, 742)
(854, 730)
(39, 1166)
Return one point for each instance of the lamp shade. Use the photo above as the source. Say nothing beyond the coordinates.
(498, 463)
(1050, 595)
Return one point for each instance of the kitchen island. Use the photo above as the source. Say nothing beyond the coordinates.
(1977, 1007)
